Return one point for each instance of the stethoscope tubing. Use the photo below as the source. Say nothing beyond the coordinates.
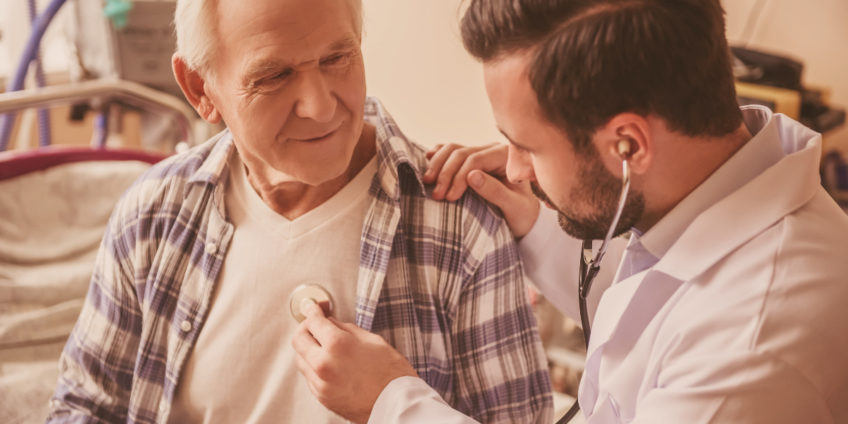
(588, 270)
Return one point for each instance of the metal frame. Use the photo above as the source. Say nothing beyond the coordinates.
(104, 90)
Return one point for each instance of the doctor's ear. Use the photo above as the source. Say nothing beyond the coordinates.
(194, 88)
(627, 136)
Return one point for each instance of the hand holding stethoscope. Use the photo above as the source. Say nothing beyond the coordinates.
(309, 294)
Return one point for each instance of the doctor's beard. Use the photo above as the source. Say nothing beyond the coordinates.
(601, 190)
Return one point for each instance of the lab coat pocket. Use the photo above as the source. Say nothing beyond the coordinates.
(606, 412)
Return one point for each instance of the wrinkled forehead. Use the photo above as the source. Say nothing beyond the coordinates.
(290, 31)
(286, 13)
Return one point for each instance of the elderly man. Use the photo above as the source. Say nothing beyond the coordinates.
(187, 318)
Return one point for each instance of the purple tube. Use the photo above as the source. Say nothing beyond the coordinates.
(43, 114)
(39, 26)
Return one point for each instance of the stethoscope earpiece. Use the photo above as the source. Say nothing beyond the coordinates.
(624, 148)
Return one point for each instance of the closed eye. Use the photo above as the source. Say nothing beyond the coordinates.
(282, 75)
(335, 59)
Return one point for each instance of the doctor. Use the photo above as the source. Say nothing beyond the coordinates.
(729, 302)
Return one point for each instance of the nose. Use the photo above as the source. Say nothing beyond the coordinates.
(315, 98)
(519, 167)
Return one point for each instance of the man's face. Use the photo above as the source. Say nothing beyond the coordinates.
(577, 185)
(289, 81)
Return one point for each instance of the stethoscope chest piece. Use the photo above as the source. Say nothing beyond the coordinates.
(310, 292)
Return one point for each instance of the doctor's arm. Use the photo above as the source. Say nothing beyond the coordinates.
(352, 371)
(498, 370)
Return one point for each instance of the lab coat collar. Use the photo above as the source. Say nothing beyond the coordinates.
(758, 154)
(759, 201)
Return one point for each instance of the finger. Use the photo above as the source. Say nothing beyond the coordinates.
(491, 160)
(342, 325)
(303, 342)
(352, 328)
(434, 168)
(491, 188)
(518, 205)
(309, 308)
(321, 328)
(448, 173)
(433, 151)
(312, 379)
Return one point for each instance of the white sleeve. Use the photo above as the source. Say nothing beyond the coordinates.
(551, 261)
(409, 400)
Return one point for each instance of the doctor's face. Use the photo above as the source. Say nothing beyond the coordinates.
(577, 185)
(289, 81)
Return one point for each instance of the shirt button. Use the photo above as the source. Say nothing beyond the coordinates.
(162, 406)
(185, 326)
(211, 248)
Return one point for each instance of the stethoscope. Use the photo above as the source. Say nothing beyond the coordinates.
(305, 294)
(590, 266)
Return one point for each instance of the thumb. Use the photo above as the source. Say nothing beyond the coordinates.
(490, 188)
(347, 326)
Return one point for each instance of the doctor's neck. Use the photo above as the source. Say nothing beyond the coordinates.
(679, 165)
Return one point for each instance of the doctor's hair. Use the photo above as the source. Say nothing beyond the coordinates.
(195, 24)
(594, 59)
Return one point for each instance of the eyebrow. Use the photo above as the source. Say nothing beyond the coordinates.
(511, 141)
(262, 67)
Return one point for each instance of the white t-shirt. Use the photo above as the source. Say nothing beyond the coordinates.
(242, 369)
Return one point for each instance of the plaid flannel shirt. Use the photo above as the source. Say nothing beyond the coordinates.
(440, 281)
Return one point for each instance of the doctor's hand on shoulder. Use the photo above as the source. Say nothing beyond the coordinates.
(454, 168)
(345, 367)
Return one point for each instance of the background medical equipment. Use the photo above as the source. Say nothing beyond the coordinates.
(55, 202)
(776, 81)
(134, 44)
(835, 177)
(310, 293)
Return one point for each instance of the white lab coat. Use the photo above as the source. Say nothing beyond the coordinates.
(744, 319)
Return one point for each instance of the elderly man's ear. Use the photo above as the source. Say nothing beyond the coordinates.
(194, 89)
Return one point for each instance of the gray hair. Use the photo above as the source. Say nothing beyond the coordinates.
(196, 28)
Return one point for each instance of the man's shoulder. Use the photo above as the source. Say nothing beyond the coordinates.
(166, 184)
(469, 220)
(815, 236)
(471, 212)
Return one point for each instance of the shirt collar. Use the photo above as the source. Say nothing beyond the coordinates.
(758, 154)
(400, 163)
(212, 157)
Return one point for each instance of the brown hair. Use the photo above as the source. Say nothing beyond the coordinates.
(598, 58)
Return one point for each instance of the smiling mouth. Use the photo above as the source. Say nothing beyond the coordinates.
(319, 138)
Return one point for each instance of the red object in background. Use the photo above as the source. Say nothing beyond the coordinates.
(13, 164)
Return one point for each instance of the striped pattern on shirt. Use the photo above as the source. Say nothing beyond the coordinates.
(440, 281)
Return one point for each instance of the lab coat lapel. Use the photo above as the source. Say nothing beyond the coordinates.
(626, 309)
(742, 215)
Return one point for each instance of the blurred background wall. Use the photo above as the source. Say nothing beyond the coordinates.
(417, 66)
